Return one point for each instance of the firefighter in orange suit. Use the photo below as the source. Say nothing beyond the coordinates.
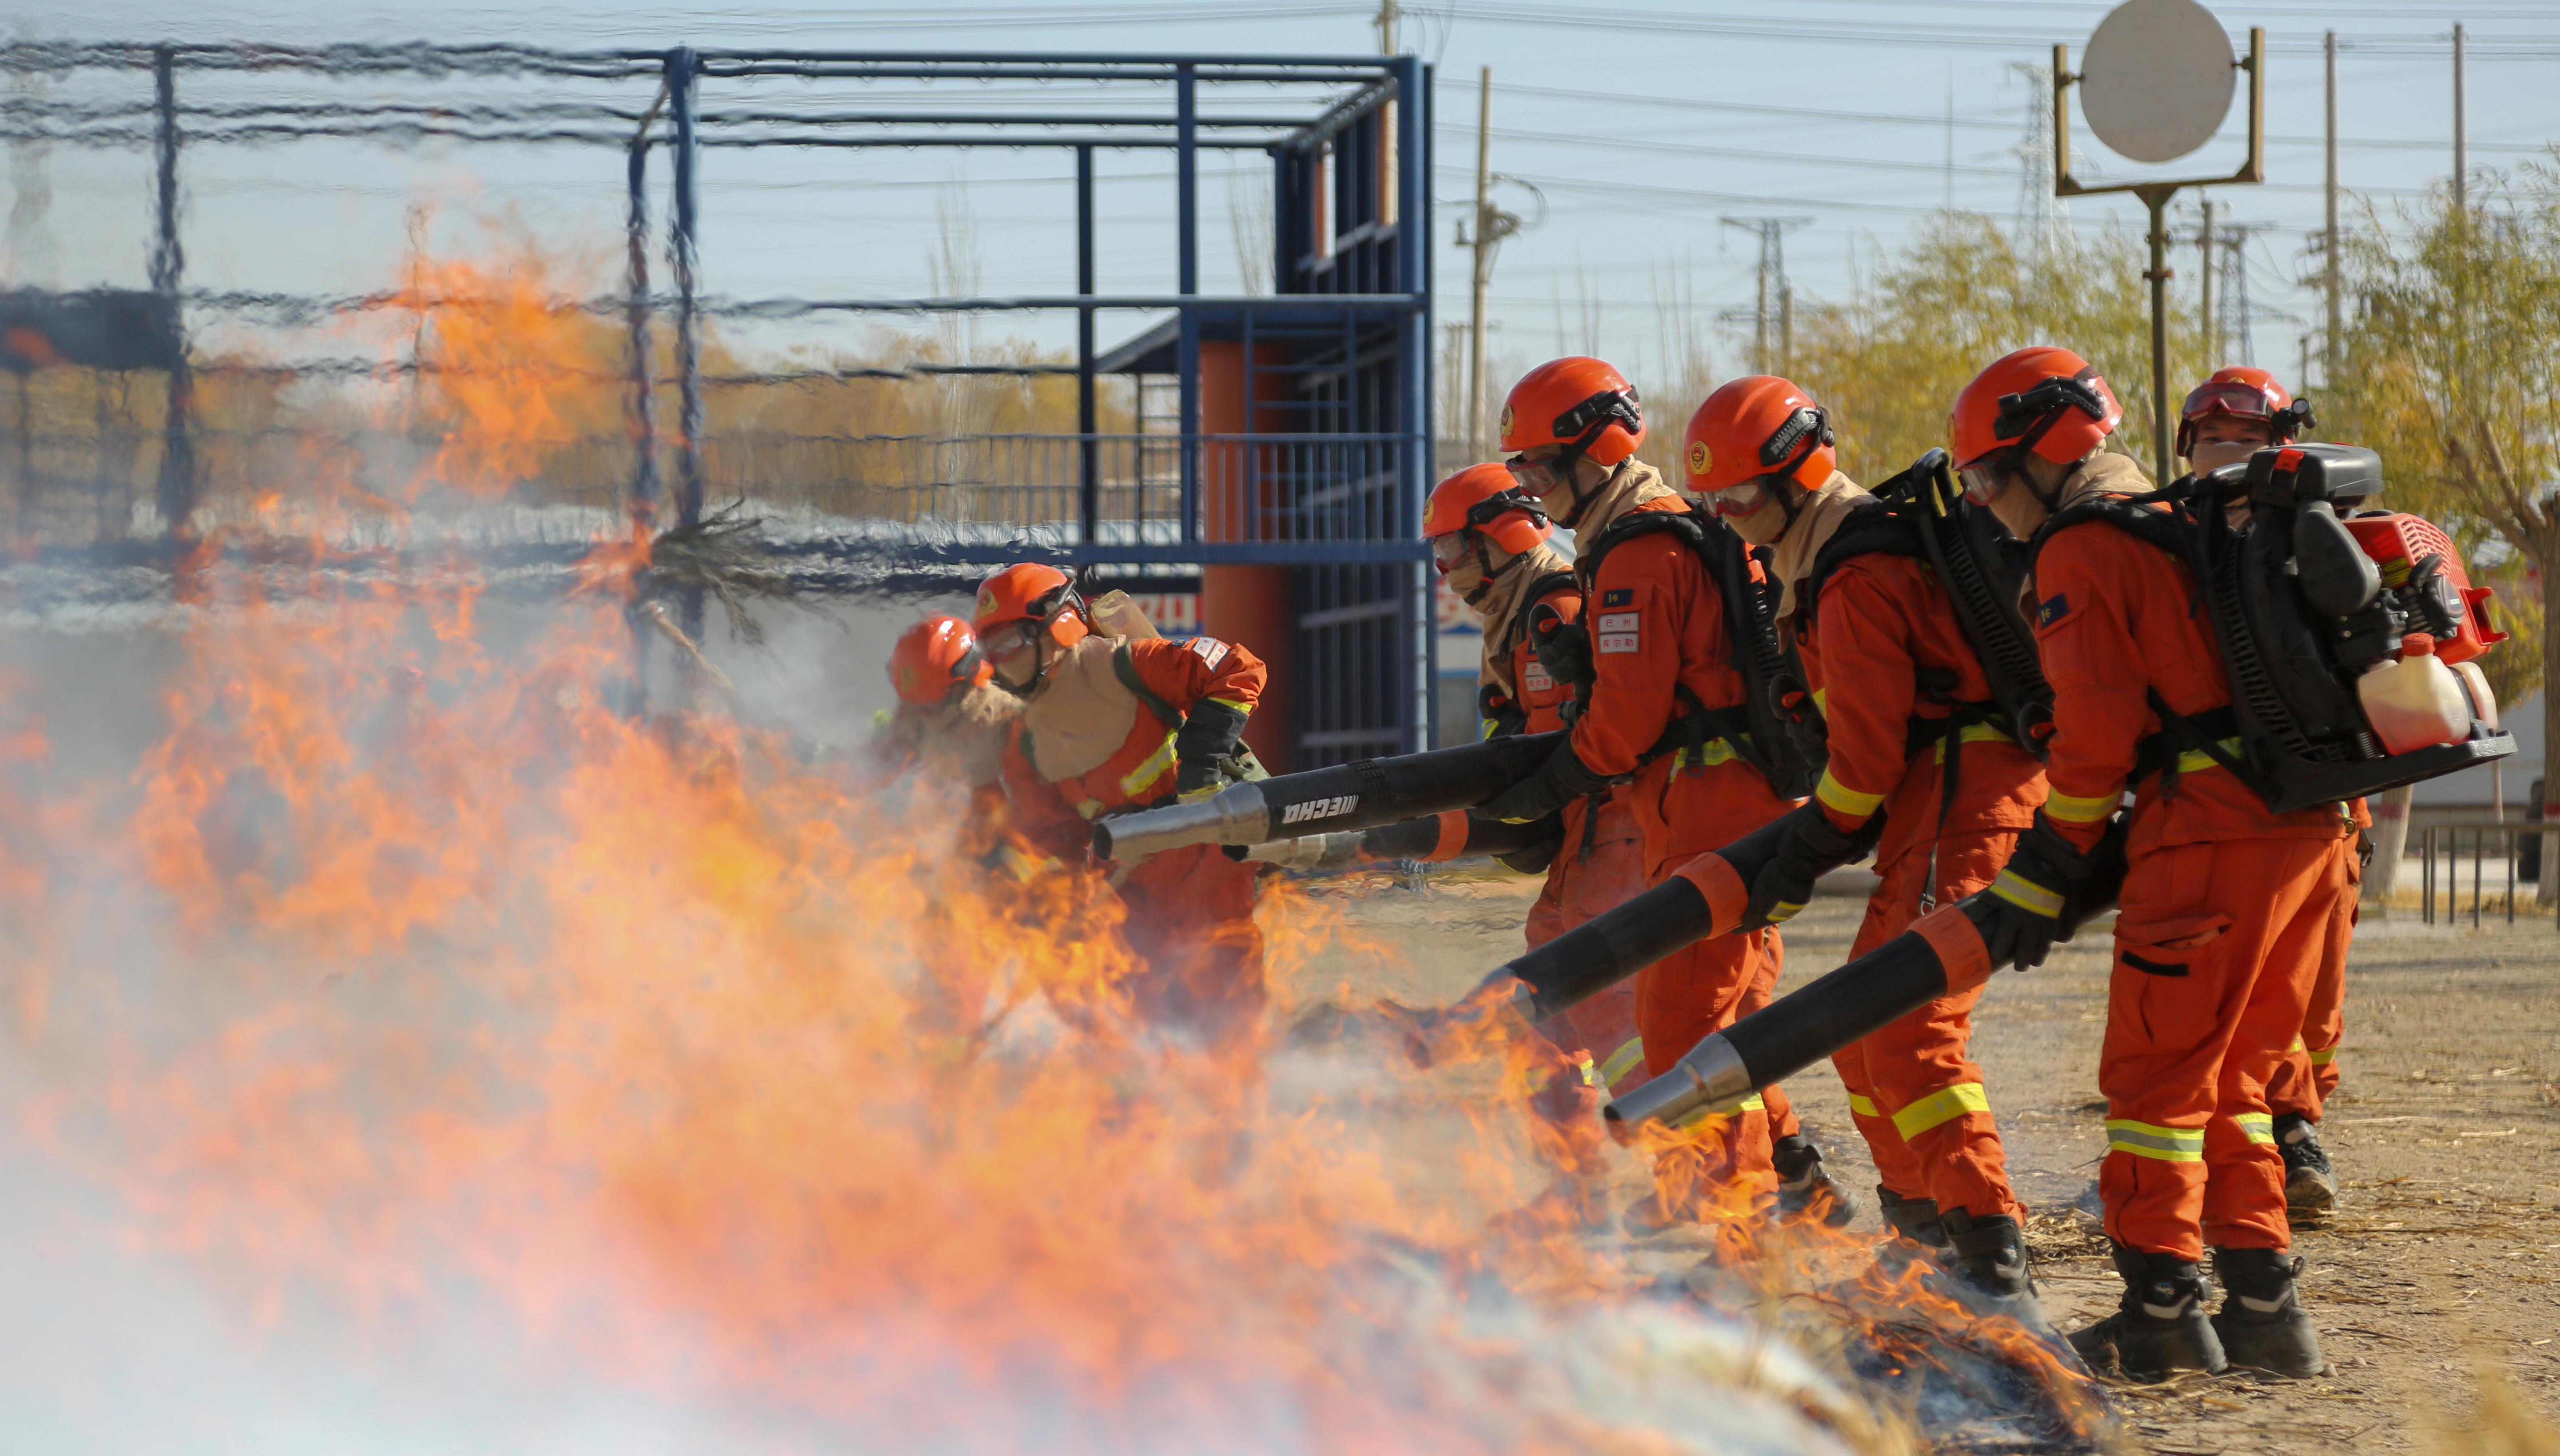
(951, 724)
(2226, 907)
(1116, 724)
(1913, 733)
(1657, 670)
(1490, 544)
(2236, 413)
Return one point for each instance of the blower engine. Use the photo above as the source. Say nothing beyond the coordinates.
(2349, 636)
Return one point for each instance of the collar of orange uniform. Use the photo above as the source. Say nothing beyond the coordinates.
(1502, 604)
(1082, 714)
(2102, 474)
(1634, 483)
(1817, 521)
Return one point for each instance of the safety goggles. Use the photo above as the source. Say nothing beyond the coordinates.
(2228, 397)
(1004, 643)
(1982, 482)
(1737, 501)
(1541, 478)
(1448, 549)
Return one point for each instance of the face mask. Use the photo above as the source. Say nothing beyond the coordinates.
(2211, 455)
(1467, 579)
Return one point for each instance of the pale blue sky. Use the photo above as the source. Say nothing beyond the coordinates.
(1641, 134)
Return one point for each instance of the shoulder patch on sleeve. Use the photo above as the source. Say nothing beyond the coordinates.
(1210, 650)
(2053, 609)
(1618, 596)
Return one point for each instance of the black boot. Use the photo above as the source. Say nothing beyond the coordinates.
(1915, 1224)
(1987, 1258)
(2160, 1326)
(1805, 1188)
(2263, 1324)
(2310, 1186)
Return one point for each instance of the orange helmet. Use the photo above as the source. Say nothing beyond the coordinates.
(934, 658)
(1482, 498)
(1019, 603)
(2041, 399)
(1583, 404)
(2250, 393)
(1759, 424)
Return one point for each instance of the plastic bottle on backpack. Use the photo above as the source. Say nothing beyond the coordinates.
(2415, 702)
(1119, 616)
(2483, 701)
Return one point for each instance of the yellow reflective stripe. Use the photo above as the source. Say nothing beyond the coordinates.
(2197, 760)
(1716, 751)
(1089, 807)
(1491, 728)
(1590, 1073)
(1972, 733)
(2297, 1047)
(1753, 1103)
(2074, 810)
(1944, 1106)
(1244, 708)
(2260, 1127)
(2033, 898)
(1821, 701)
(1837, 795)
(2323, 1058)
(1158, 764)
(1862, 1106)
(1623, 1060)
(2148, 1140)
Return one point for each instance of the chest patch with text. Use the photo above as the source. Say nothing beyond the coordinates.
(1536, 680)
(1619, 632)
(1618, 596)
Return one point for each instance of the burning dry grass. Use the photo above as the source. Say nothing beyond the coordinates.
(404, 977)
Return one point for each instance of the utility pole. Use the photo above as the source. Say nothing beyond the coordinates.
(2238, 313)
(1386, 18)
(1771, 313)
(2330, 275)
(1493, 225)
(2041, 220)
(2461, 143)
(2204, 287)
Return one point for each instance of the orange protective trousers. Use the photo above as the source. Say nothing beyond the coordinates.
(1599, 867)
(2302, 1085)
(2217, 947)
(1712, 983)
(1190, 918)
(1914, 1092)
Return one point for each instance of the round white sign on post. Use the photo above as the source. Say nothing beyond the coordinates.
(2156, 78)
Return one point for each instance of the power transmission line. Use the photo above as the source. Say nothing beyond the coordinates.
(1773, 314)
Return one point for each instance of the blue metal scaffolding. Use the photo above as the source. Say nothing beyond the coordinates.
(1310, 451)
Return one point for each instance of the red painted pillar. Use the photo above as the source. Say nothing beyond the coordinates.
(1247, 604)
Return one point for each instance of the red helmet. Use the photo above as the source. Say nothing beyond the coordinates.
(2248, 392)
(1759, 424)
(1482, 498)
(1019, 602)
(2041, 399)
(934, 658)
(1580, 404)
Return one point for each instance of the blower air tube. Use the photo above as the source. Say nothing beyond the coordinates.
(1362, 795)
(1941, 954)
(1702, 899)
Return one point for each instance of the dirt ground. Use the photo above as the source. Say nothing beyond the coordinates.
(2440, 1262)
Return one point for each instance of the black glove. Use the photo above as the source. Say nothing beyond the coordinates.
(1533, 858)
(1501, 713)
(1563, 648)
(1558, 782)
(1813, 846)
(1793, 703)
(1205, 747)
(2033, 895)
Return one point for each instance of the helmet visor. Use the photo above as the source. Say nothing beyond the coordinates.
(2228, 397)
(1448, 549)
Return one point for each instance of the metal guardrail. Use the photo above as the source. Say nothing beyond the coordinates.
(2440, 855)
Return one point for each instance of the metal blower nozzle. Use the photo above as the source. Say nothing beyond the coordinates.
(1235, 814)
(1710, 1078)
(1310, 851)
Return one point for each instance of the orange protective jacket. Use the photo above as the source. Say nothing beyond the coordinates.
(2116, 618)
(1880, 622)
(1057, 814)
(1656, 623)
